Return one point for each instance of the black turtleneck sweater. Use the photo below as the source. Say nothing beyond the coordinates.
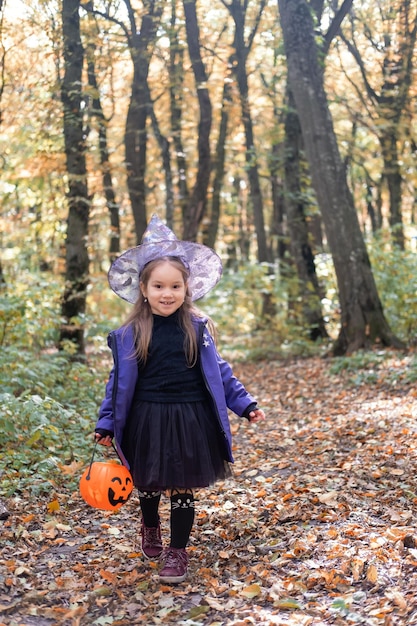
(166, 377)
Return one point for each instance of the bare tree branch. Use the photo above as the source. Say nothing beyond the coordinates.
(88, 6)
(334, 27)
(256, 25)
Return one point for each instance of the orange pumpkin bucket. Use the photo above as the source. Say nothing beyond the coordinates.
(106, 485)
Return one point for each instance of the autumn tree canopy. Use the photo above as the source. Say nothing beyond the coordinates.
(182, 108)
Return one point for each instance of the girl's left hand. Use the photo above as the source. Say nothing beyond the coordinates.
(103, 441)
(256, 416)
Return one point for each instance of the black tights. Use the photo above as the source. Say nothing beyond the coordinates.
(182, 513)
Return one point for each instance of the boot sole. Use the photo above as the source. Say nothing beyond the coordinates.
(151, 558)
(172, 579)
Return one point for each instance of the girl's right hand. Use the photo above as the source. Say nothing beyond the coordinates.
(103, 441)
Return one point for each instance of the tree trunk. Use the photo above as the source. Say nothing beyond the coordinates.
(392, 175)
(166, 162)
(308, 292)
(219, 165)
(197, 205)
(77, 262)
(399, 24)
(362, 318)
(252, 169)
(2, 86)
(141, 42)
(109, 193)
(237, 11)
(370, 204)
(278, 238)
(176, 96)
(2, 277)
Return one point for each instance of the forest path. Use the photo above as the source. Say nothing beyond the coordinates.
(317, 526)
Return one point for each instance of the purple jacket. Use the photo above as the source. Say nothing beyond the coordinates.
(225, 389)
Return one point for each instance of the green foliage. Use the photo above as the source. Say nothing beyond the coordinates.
(48, 401)
(362, 367)
(361, 360)
(250, 309)
(47, 413)
(371, 368)
(396, 278)
(396, 281)
(12, 311)
(29, 312)
(235, 304)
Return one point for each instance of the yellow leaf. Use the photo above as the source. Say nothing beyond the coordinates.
(53, 507)
(21, 570)
(102, 591)
(143, 585)
(377, 542)
(71, 469)
(287, 603)
(196, 611)
(215, 604)
(252, 591)
(394, 534)
(372, 574)
(357, 566)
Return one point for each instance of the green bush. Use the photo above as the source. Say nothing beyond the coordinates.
(12, 314)
(48, 402)
(382, 367)
(48, 410)
(241, 305)
(396, 278)
(29, 312)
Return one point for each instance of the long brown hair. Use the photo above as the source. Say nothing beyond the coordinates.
(142, 320)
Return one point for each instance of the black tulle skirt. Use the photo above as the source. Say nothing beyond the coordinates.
(174, 445)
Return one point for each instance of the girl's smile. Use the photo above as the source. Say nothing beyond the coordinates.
(165, 289)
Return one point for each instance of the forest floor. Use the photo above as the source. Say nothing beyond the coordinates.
(317, 526)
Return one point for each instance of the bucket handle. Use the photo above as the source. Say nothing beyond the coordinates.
(92, 457)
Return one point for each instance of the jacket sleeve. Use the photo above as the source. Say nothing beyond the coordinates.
(105, 416)
(121, 385)
(237, 397)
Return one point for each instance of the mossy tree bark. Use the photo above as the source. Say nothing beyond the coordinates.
(196, 207)
(362, 319)
(77, 262)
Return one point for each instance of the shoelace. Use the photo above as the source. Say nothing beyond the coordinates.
(151, 535)
(175, 557)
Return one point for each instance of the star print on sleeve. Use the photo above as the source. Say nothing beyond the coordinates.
(206, 341)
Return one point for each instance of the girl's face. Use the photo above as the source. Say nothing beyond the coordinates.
(165, 289)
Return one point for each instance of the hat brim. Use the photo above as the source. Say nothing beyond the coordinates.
(204, 264)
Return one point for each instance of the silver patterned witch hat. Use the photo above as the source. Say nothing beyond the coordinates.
(204, 265)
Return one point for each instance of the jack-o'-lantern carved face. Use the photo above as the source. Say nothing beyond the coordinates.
(106, 485)
(120, 491)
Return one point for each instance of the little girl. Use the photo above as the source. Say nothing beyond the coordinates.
(169, 390)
